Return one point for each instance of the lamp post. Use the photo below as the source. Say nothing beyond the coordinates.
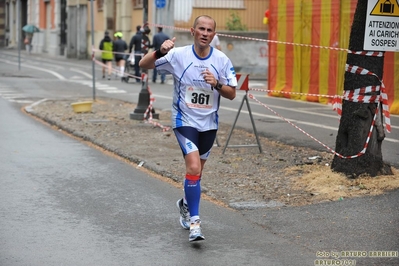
(19, 32)
(92, 46)
(144, 95)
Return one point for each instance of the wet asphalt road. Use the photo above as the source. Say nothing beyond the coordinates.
(64, 203)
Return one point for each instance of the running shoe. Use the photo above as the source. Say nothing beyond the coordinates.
(184, 214)
(195, 232)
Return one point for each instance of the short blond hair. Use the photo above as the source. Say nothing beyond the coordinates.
(203, 16)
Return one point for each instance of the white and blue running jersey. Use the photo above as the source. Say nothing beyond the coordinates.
(195, 103)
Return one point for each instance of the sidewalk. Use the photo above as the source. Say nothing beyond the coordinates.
(359, 224)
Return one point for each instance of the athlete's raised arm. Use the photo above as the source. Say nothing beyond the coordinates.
(148, 61)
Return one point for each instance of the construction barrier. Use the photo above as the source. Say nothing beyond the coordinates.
(243, 84)
(316, 67)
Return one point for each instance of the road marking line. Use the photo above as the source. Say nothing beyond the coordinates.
(99, 85)
(29, 107)
(81, 72)
(76, 77)
(108, 88)
(13, 96)
(20, 101)
(37, 68)
(116, 91)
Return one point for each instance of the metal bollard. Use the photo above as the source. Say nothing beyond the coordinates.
(144, 101)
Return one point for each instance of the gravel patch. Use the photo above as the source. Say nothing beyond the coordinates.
(242, 178)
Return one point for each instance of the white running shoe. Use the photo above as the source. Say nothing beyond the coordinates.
(184, 214)
(195, 231)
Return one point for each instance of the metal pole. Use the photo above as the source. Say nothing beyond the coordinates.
(78, 29)
(145, 11)
(145, 21)
(92, 52)
(19, 32)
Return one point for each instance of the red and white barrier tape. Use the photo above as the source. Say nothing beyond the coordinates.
(116, 70)
(148, 111)
(363, 151)
(278, 42)
(124, 53)
(360, 95)
(297, 93)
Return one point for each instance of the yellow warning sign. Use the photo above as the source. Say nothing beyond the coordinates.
(388, 8)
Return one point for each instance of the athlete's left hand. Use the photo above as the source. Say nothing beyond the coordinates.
(209, 78)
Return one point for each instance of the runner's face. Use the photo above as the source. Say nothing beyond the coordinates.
(203, 32)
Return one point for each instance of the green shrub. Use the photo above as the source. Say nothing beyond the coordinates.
(234, 23)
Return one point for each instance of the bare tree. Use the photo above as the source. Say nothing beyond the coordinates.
(357, 117)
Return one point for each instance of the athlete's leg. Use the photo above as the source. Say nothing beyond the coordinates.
(116, 67)
(187, 138)
(122, 67)
(196, 148)
(104, 62)
(205, 144)
(109, 65)
(118, 74)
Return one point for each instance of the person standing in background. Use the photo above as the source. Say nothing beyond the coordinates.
(28, 42)
(202, 75)
(119, 48)
(135, 45)
(106, 47)
(216, 43)
(145, 44)
(157, 41)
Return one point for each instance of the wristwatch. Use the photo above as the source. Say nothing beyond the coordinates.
(218, 86)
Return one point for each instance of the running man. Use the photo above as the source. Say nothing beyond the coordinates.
(201, 75)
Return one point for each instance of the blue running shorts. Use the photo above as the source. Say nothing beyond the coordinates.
(190, 140)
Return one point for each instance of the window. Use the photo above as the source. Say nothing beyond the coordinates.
(137, 3)
(230, 4)
(100, 4)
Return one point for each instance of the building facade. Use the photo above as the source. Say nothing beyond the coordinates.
(3, 24)
(47, 15)
(66, 25)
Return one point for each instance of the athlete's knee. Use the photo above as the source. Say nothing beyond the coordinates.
(193, 165)
(194, 170)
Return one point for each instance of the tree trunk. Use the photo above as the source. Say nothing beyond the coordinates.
(357, 117)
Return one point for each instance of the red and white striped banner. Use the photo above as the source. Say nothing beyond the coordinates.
(242, 82)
